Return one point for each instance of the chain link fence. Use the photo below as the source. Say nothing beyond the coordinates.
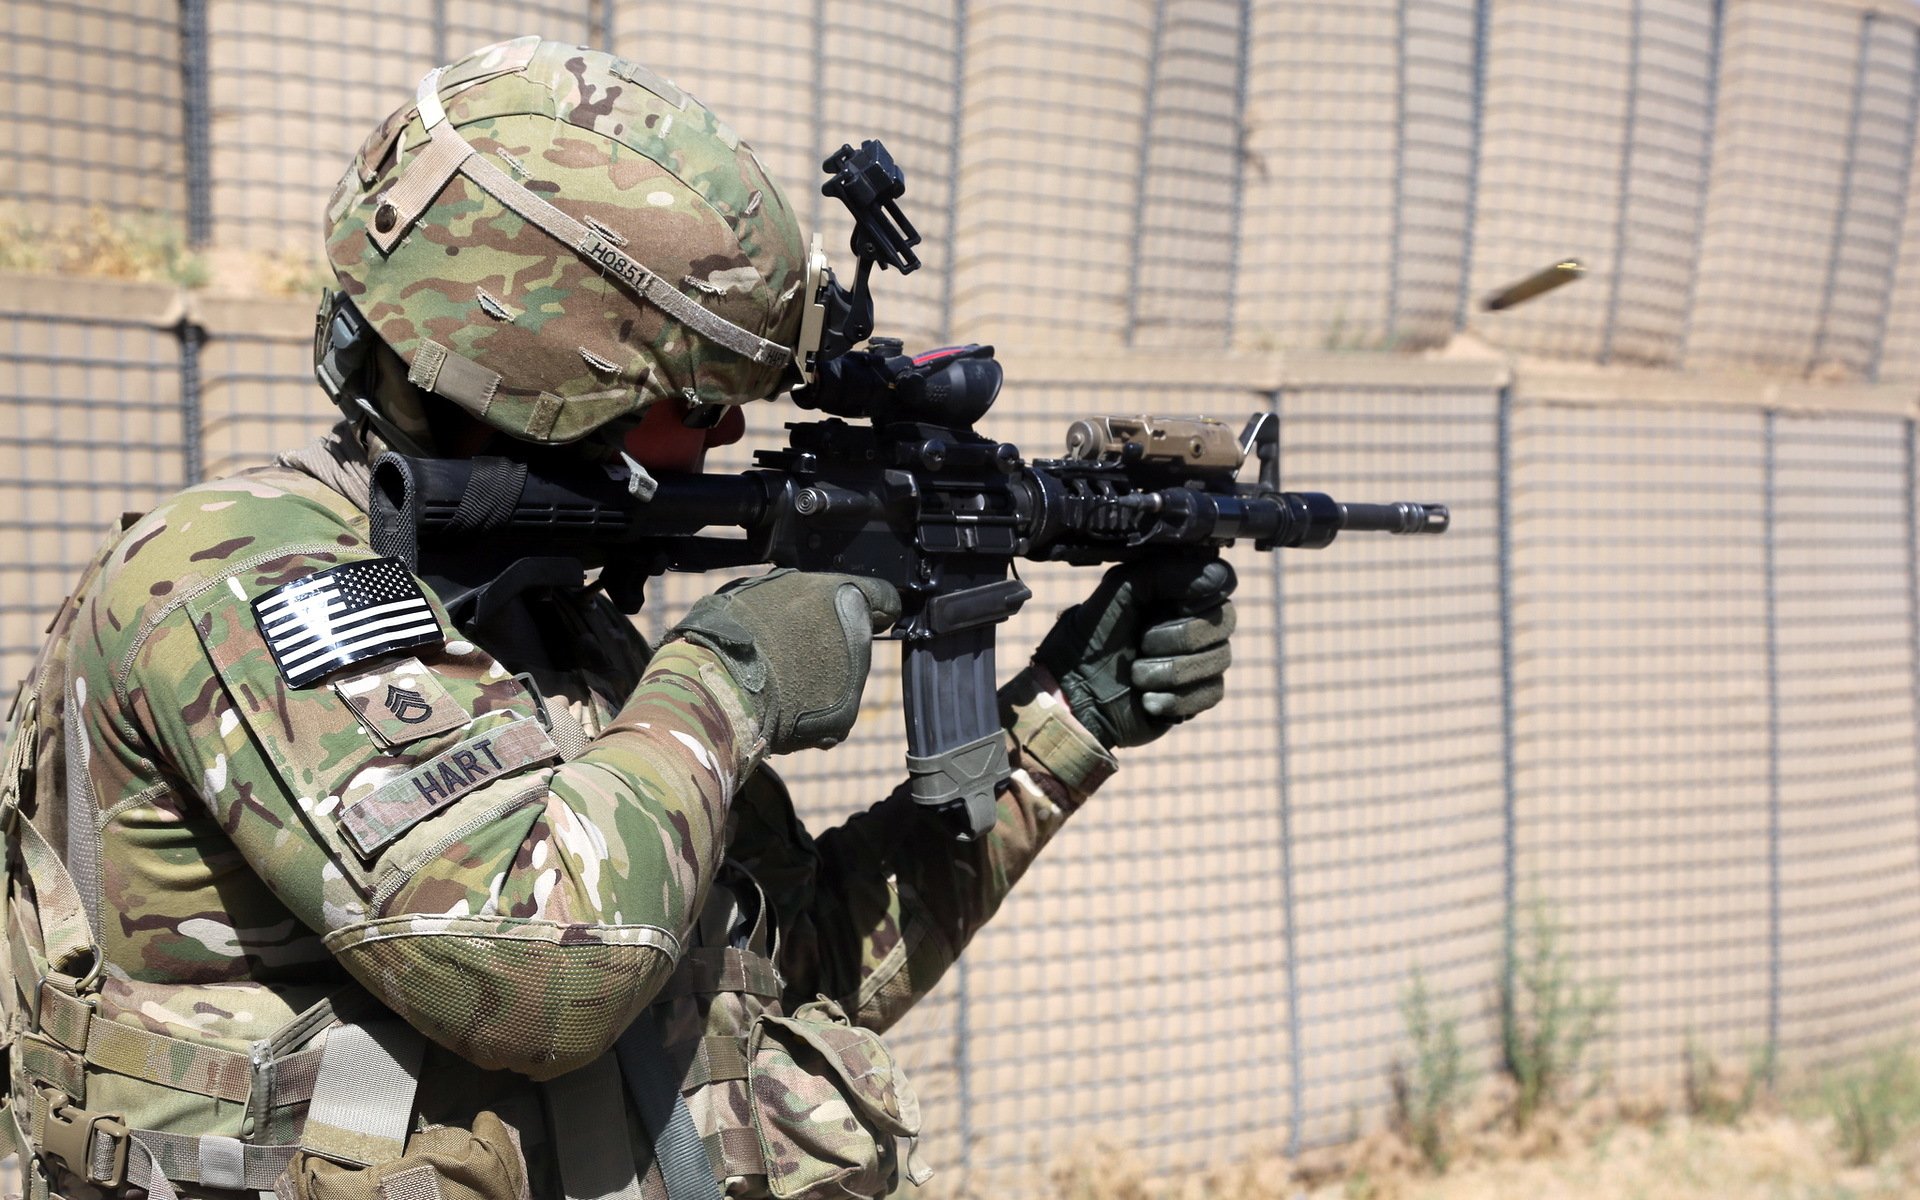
(1658, 682)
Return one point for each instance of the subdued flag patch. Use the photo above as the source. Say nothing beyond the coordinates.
(344, 615)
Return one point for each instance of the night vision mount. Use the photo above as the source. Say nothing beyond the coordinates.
(870, 184)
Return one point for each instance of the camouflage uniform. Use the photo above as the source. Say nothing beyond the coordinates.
(213, 819)
(226, 887)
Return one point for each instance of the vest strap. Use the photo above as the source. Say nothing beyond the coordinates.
(682, 1158)
(590, 1133)
(707, 970)
(716, 1059)
(214, 1161)
(736, 1151)
(363, 1095)
(189, 1066)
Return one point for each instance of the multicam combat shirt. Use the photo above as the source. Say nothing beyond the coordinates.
(408, 822)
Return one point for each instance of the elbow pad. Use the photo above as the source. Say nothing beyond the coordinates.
(537, 997)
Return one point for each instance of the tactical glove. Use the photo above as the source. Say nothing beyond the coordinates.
(1147, 650)
(799, 645)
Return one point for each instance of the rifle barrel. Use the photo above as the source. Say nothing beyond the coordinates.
(1401, 516)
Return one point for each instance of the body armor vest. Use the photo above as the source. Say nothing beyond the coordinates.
(309, 1088)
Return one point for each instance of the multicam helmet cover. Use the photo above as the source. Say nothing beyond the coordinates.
(553, 238)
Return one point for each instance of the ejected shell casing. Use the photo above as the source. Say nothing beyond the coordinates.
(1540, 282)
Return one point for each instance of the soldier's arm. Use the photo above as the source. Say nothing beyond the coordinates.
(878, 908)
(517, 910)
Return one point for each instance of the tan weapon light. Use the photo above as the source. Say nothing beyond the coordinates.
(1195, 441)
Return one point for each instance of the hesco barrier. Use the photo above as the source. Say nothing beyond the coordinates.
(1659, 679)
(1189, 174)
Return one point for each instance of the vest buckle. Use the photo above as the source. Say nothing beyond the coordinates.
(69, 1137)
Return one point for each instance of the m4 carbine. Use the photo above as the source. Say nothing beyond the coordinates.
(894, 483)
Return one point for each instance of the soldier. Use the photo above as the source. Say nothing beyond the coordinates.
(317, 888)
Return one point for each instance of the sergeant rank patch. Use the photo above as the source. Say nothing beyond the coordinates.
(344, 615)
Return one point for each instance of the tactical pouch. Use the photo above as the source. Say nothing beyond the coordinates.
(828, 1101)
(440, 1163)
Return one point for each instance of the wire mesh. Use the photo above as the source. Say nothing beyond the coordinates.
(92, 114)
(1357, 167)
(1142, 954)
(92, 430)
(804, 79)
(1850, 840)
(1617, 98)
(296, 87)
(1671, 705)
(1186, 234)
(1808, 179)
(258, 395)
(1394, 739)
(1642, 720)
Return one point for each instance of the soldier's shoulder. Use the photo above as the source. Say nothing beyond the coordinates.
(210, 531)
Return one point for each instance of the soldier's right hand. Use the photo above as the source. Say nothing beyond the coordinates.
(799, 644)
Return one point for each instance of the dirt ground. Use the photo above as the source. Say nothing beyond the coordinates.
(1788, 1149)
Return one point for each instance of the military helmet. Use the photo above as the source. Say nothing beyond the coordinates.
(553, 238)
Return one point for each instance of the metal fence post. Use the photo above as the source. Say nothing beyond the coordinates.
(1481, 16)
(1913, 579)
(1142, 162)
(195, 131)
(1769, 519)
(962, 1017)
(1879, 348)
(600, 24)
(1621, 226)
(1399, 171)
(1283, 797)
(1715, 51)
(1243, 55)
(1510, 843)
(439, 31)
(193, 338)
(819, 133)
(953, 169)
(1852, 157)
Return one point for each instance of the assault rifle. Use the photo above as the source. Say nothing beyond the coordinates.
(894, 483)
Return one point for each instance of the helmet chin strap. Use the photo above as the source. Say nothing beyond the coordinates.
(344, 346)
(394, 437)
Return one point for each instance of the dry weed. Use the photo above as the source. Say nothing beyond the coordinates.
(1608, 1148)
(149, 248)
(134, 246)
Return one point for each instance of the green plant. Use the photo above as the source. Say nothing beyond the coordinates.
(1718, 1096)
(1874, 1104)
(1549, 1018)
(1359, 1186)
(1429, 1090)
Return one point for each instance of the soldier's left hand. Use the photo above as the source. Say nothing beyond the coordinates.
(1147, 650)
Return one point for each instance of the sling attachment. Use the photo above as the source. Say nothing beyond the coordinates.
(493, 491)
(684, 1164)
(596, 1155)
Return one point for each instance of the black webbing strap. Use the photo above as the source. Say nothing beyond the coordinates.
(677, 1147)
(493, 490)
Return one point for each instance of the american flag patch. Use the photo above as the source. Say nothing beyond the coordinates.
(344, 615)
